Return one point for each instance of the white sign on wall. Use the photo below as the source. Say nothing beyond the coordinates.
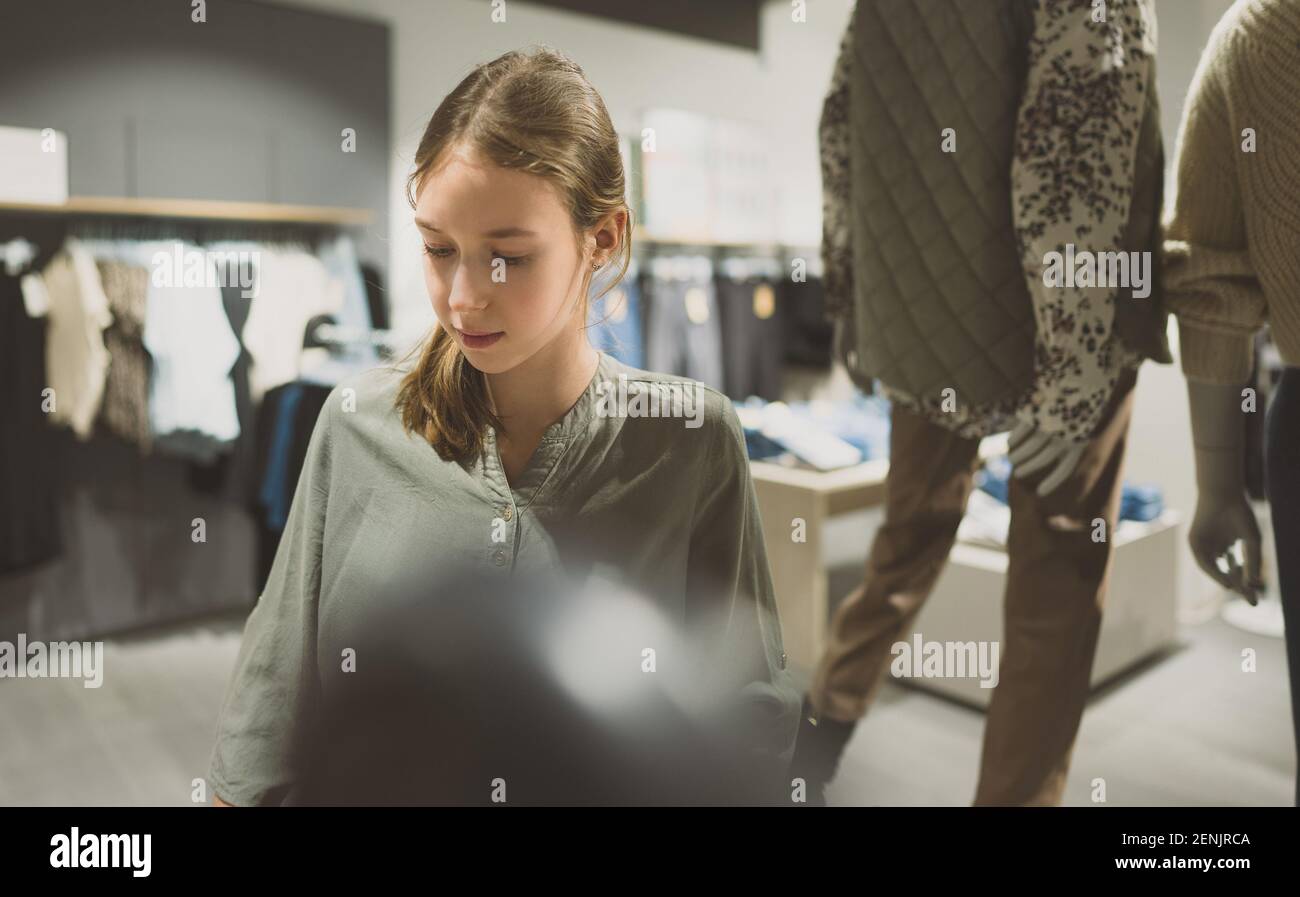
(35, 165)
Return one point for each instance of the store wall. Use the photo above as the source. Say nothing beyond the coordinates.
(249, 105)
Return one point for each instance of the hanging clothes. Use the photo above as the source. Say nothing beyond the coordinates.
(29, 506)
(285, 421)
(292, 288)
(683, 335)
(232, 472)
(753, 334)
(808, 332)
(191, 397)
(76, 358)
(339, 256)
(125, 410)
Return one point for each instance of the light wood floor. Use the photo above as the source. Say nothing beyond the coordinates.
(1187, 729)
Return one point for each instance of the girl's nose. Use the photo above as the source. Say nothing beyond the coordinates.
(466, 294)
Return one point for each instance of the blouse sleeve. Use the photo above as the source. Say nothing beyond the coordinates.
(1072, 181)
(731, 602)
(271, 700)
(833, 134)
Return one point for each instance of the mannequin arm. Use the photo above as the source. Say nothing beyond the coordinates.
(1223, 512)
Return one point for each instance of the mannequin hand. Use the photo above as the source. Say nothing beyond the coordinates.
(1223, 513)
(1222, 519)
(1031, 450)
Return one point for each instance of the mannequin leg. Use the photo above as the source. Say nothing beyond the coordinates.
(931, 471)
(1282, 469)
(1056, 587)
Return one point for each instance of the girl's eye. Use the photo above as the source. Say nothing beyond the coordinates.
(439, 252)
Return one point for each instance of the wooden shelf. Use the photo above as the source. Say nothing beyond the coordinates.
(641, 235)
(195, 209)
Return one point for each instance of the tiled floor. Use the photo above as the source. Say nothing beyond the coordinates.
(1190, 728)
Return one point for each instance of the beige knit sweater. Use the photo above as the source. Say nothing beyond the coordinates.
(1233, 234)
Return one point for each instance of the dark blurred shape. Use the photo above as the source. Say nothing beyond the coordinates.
(809, 334)
(463, 686)
(30, 533)
(376, 299)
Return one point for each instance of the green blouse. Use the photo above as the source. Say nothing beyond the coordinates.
(665, 503)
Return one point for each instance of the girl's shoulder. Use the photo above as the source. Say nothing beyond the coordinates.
(632, 393)
(364, 402)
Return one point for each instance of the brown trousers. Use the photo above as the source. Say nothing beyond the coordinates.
(1056, 587)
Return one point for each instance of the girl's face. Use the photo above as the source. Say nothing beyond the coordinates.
(500, 261)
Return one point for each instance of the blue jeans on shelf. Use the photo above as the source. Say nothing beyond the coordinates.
(614, 321)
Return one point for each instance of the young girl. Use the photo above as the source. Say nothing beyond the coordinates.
(498, 451)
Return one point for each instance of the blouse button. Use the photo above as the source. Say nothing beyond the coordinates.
(498, 557)
(507, 512)
(783, 658)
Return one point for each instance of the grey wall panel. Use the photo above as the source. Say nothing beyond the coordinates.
(203, 159)
(303, 159)
(246, 106)
(99, 158)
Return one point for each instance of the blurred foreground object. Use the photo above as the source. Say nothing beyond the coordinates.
(542, 695)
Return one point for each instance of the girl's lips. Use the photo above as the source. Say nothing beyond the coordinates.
(480, 340)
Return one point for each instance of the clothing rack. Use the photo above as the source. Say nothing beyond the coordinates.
(196, 232)
(327, 333)
(125, 565)
(735, 261)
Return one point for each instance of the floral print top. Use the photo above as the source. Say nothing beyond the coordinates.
(1072, 181)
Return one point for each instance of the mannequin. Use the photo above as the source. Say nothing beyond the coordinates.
(1232, 264)
(1223, 512)
(942, 210)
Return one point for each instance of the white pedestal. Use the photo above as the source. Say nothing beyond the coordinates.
(966, 605)
(799, 568)
(1140, 617)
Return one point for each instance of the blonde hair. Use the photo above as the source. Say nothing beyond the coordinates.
(537, 113)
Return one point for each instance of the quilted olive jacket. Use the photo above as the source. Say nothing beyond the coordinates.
(963, 143)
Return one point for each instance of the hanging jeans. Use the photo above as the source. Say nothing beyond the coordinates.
(1282, 477)
(753, 337)
(683, 335)
(1055, 591)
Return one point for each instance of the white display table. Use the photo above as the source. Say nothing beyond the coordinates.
(1140, 618)
(966, 605)
(799, 568)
